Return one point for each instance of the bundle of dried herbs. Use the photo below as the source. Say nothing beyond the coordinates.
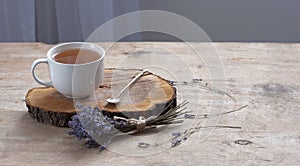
(90, 122)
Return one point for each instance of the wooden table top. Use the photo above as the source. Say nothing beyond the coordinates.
(265, 76)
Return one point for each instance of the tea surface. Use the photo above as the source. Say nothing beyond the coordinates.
(76, 56)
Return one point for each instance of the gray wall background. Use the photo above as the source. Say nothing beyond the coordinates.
(17, 20)
(54, 21)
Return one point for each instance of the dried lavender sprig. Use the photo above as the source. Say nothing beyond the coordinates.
(91, 120)
(98, 124)
(80, 132)
(177, 139)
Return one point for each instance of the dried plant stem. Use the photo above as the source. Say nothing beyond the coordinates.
(205, 85)
(204, 116)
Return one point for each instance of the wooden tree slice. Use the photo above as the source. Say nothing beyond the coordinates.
(46, 105)
(150, 95)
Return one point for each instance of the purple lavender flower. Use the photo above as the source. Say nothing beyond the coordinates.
(189, 116)
(90, 124)
(175, 142)
(91, 143)
(107, 129)
(176, 134)
(76, 128)
(101, 148)
(143, 145)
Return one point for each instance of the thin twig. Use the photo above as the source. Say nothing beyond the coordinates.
(224, 113)
(206, 87)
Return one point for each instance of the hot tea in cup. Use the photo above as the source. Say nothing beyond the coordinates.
(74, 56)
(76, 69)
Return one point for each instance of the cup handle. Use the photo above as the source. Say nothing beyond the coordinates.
(34, 64)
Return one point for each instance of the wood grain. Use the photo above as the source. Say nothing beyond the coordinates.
(265, 76)
(150, 95)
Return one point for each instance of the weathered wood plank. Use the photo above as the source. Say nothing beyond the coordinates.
(265, 76)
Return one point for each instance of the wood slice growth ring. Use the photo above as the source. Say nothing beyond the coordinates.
(150, 95)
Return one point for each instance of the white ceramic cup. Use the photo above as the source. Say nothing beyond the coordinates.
(73, 80)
